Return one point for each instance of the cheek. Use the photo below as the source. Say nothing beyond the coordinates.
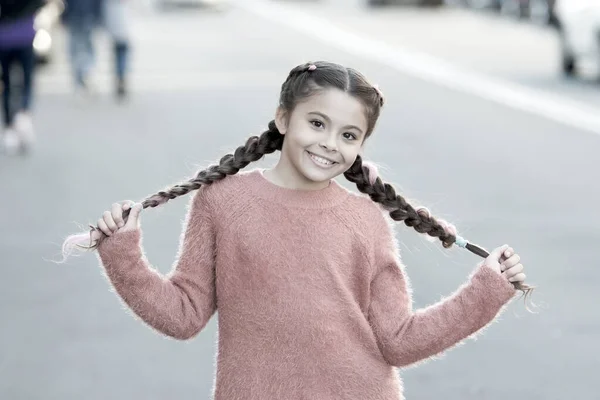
(301, 136)
(298, 143)
(294, 145)
(350, 152)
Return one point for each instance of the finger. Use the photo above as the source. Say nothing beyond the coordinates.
(127, 205)
(110, 222)
(496, 254)
(509, 273)
(102, 226)
(134, 214)
(117, 214)
(507, 254)
(510, 262)
(96, 235)
(518, 278)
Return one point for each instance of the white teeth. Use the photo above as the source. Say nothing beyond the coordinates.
(320, 159)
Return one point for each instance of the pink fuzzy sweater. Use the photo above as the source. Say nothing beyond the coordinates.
(312, 299)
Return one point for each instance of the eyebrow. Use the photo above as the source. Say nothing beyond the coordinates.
(325, 117)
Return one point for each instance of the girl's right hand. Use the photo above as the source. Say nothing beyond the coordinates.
(112, 221)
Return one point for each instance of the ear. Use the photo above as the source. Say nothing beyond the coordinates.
(281, 120)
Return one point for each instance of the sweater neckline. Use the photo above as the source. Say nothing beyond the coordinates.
(329, 196)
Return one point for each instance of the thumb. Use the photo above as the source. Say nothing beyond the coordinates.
(134, 217)
(493, 260)
(497, 253)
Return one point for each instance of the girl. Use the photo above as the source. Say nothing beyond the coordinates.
(312, 296)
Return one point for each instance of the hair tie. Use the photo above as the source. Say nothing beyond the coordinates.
(461, 242)
(312, 67)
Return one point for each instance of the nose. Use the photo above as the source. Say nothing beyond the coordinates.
(329, 143)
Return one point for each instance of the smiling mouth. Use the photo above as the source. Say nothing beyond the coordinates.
(321, 160)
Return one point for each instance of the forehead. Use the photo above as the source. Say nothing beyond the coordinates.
(343, 109)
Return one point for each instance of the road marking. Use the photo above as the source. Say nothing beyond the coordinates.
(431, 69)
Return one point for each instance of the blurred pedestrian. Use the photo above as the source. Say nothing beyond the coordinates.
(312, 296)
(82, 17)
(16, 53)
(117, 24)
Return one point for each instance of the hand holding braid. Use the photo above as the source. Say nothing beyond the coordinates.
(366, 180)
(230, 164)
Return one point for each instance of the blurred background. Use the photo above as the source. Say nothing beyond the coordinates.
(491, 120)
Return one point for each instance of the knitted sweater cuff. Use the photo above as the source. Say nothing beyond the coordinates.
(497, 289)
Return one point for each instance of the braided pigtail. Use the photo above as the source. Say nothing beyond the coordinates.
(365, 177)
(255, 148)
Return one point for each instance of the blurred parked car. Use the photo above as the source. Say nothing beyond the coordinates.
(579, 32)
(47, 22)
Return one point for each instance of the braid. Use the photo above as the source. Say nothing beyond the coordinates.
(401, 210)
(230, 164)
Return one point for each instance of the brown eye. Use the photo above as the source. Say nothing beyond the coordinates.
(350, 136)
(317, 123)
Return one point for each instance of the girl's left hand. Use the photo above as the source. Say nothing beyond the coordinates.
(511, 267)
(505, 261)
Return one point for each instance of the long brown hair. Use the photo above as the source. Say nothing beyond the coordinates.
(302, 82)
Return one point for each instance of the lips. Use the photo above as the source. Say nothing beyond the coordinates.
(321, 159)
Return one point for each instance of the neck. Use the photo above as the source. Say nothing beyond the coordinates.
(285, 175)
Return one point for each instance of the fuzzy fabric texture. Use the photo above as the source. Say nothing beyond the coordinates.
(312, 299)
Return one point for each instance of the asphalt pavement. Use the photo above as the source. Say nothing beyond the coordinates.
(204, 80)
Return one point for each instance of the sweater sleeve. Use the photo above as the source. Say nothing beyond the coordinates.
(180, 304)
(405, 336)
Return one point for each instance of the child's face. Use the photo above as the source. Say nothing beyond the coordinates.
(323, 135)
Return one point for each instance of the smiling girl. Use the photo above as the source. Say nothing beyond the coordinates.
(312, 298)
